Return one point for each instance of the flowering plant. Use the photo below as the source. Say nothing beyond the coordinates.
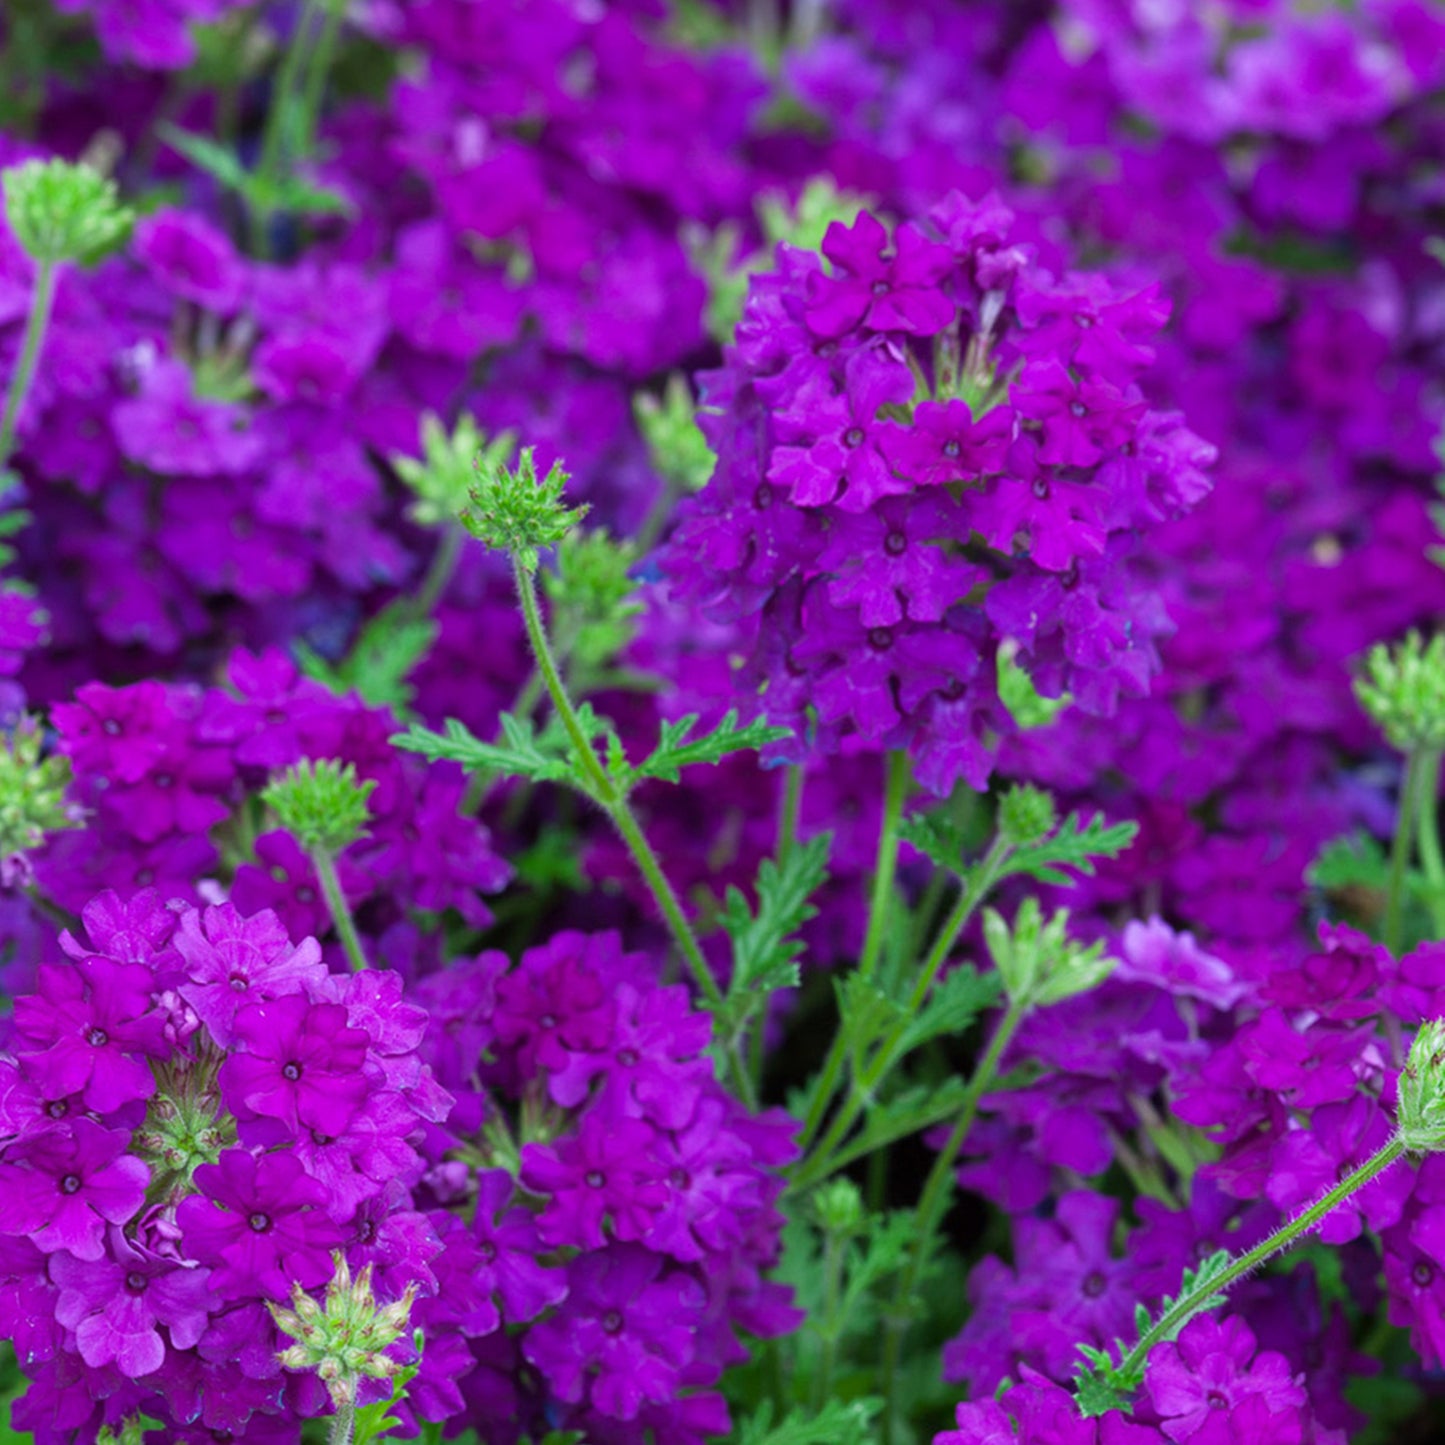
(721, 721)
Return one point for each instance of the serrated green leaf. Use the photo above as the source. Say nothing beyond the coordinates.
(287, 193)
(386, 651)
(518, 753)
(764, 949)
(1071, 845)
(839, 1422)
(865, 1014)
(678, 749)
(953, 1005)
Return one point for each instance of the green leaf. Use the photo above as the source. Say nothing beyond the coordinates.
(764, 950)
(883, 1252)
(865, 1014)
(678, 749)
(1354, 861)
(386, 651)
(953, 1005)
(839, 1422)
(518, 753)
(287, 193)
(1071, 845)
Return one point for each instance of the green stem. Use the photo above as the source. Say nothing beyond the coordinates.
(1432, 862)
(325, 867)
(832, 1285)
(880, 904)
(613, 801)
(273, 140)
(788, 815)
(317, 72)
(932, 1204)
(1179, 1314)
(817, 1165)
(343, 1424)
(884, 871)
(443, 564)
(41, 301)
(1400, 853)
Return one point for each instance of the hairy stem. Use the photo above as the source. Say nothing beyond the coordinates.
(1187, 1306)
(325, 866)
(343, 1424)
(41, 301)
(611, 799)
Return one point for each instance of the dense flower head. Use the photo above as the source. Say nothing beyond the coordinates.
(168, 1182)
(928, 447)
(616, 1152)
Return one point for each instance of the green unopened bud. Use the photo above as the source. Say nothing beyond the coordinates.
(1403, 690)
(514, 511)
(344, 1338)
(675, 443)
(1420, 1110)
(442, 479)
(32, 798)
(839, 1207)
(1038, 962)
(61, 211)
(321, 804)
(1025, 814)
(593, 596)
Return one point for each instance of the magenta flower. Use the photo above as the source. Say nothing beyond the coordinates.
(607, 1171)
(1214, 1367)
(63, 1186)
(117, 1308)
(262, 1225)
(624, 1334)
(876, 289)
(233, 961)
(946, 443)
(508, 1244)
(88, 1029)
(301, 1064)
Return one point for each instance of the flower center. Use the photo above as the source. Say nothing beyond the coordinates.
(895, 544)
(1094, 1284)
(259, 1222)
(1423, 1273)
(1216, 1400)
(548, 1021)
(110, 728)
(680, 1179)
(880, 288)
(1040, 488)
(291, 1071)
(612, 1322)
(70, 1184)
(97, 1038)
(135, 1281)
(239, 982)
(763, 497)
(627, 1058)
(853, 436)
(487, 1250)
(1077, 408)
(594, 1179)
(880, 639)
(952, 447)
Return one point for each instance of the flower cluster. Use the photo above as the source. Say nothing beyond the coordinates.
(623, 1205)
(196, 1115)
(931, 448)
